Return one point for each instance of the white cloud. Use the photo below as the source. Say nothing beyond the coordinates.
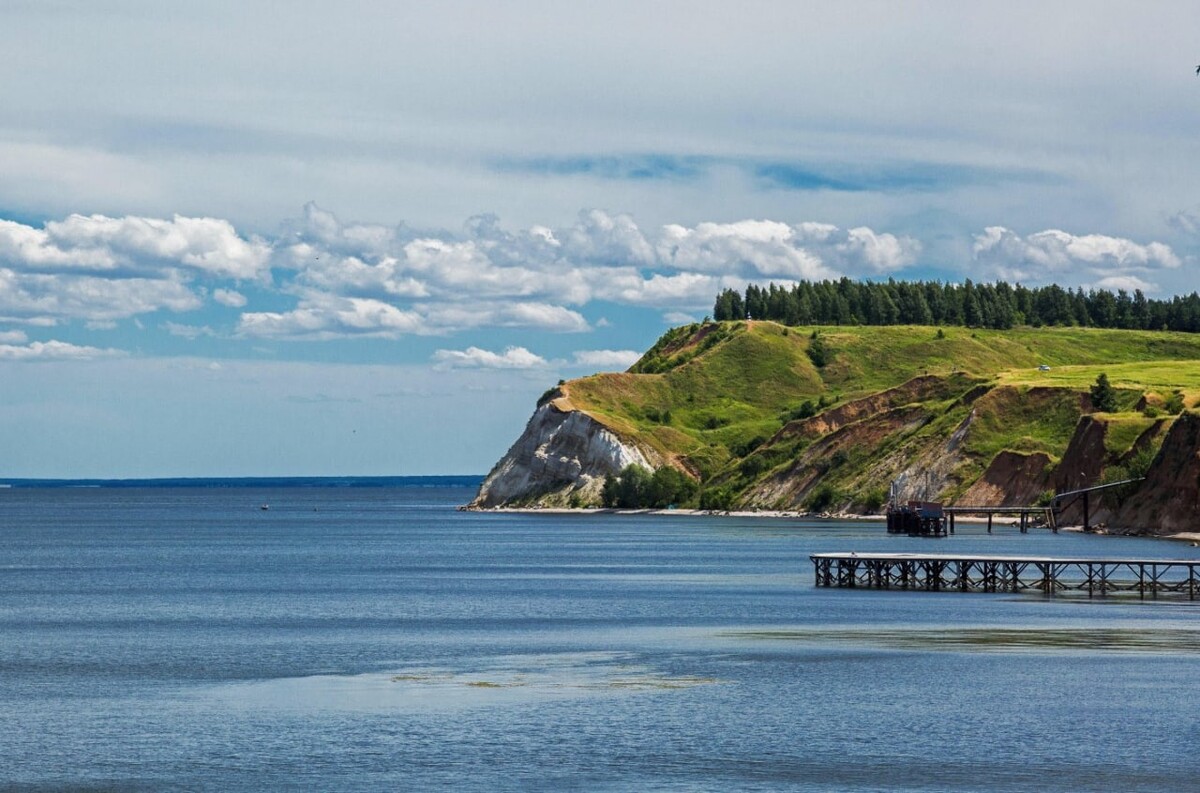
(600, 257)
(476, 358)
(766, 248)
(607, 359)
(98, 268)
(321, 316)
(13, 337)
(45, 298)
(678, 318)
(1129, 283)
(539, 315)
(229, 297)
(1048, 254)
(188, 331)
(54, 351)
(99, 243)
(608, 239)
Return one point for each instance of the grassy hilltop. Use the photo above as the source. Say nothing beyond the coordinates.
(824, 417)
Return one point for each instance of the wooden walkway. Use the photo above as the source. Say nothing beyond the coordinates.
(1025, 514)
(1047, 575)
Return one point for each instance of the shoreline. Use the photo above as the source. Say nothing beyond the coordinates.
(1192, 537)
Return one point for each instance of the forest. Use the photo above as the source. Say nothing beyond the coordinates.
(985, 305)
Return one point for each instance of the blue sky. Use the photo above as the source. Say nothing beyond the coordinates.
(243, 239)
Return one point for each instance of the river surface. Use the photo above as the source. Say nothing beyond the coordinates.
(376, 639)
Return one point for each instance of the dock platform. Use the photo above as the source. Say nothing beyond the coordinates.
(1045, 575)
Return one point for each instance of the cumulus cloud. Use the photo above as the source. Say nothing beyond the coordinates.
(97, 268)
(321, 316)
(229, 297)
(476, 358)
(488, 275)
(98, 242)
(45, 299)
(13, 337)
(54, 351)
(607, 359)
(1047, 254)
(774, 249)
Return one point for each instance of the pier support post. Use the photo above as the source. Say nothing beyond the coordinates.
(989, 523)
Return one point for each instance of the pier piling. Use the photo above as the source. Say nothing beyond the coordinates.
(1049, 576)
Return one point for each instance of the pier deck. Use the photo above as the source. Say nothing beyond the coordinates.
(1047, 575)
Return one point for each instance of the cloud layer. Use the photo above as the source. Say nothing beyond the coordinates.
(321, 278)
(1106, 262)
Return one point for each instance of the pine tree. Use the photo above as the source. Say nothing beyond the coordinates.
(1104, 396)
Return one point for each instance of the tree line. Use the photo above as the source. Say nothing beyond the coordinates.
(985, 305)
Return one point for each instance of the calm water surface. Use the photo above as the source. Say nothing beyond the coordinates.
(375, 639)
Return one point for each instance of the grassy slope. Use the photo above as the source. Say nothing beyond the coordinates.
(726, 384)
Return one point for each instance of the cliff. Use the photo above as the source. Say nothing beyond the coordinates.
(1168, 501)
(758, 420)
(563, 454)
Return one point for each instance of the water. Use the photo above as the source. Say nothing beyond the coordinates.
(372, 639)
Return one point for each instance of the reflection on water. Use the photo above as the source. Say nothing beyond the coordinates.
(509, 679)
(960, 639)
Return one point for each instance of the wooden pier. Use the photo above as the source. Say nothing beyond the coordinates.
(1025, 514)
(1045, 575)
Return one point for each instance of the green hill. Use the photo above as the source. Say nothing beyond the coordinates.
(745, 409)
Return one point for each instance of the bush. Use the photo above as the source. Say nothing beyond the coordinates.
(1174, 404)
(874, 499)
(719, 499)
(1045, 499)
(669, 486)
(1133, 468)
(821, 499)
(817, 351)
(753, 466)
(637, 488)
(743, 449)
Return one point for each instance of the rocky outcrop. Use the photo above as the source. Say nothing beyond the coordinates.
(918, 389)
(790, 487)
(1168, 501)
(1012, 479)
(934, 470)
(562, 453)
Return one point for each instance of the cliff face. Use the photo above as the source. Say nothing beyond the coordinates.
(1168, 501)
(562, 453)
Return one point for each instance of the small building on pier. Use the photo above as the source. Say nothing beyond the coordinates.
(917, 519)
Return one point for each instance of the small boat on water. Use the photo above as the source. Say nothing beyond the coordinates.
(265, 507)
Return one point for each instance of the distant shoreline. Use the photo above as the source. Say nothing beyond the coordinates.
(1193, 537)
(466, 480)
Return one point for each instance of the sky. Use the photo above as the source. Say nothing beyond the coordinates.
(252, 238)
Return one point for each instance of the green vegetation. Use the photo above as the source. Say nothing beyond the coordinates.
(637, 488)
(738, 404)
(998, 305)
(1104, 398)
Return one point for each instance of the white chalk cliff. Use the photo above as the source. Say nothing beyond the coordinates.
(563, 454)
